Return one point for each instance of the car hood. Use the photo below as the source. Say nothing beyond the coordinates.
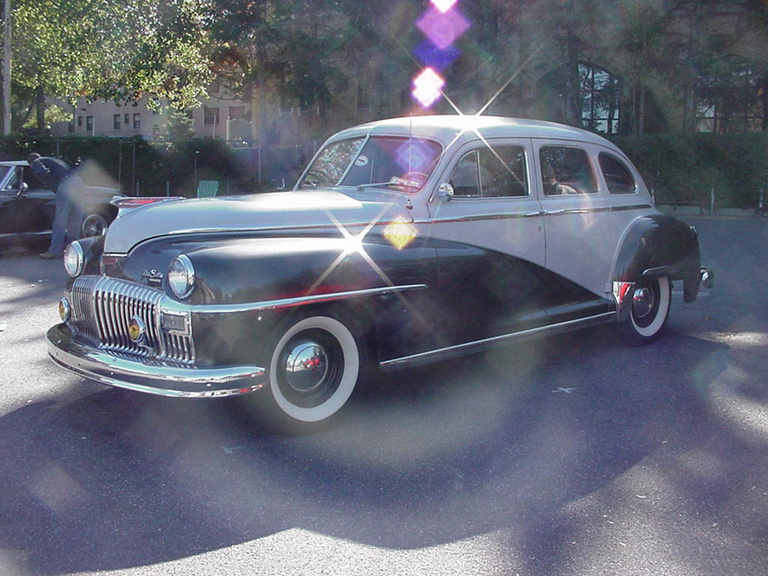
(269, 211)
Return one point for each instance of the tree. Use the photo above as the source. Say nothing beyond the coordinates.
(249, 58)
(119, 50)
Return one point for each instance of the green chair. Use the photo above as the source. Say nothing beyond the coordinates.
(207, 188)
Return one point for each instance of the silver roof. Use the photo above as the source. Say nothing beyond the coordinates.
(446, 129)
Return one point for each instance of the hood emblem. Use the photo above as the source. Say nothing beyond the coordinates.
(153, 277)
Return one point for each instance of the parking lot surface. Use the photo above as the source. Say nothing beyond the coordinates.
(571, 455)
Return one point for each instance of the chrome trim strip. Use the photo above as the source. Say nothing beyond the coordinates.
(289, 302)
(16, 235)
(259, 230)
(365, 223)
(631, 207)
(566, 211)
(158, 378)
(668, 270)
(498, 216)
(477, 345)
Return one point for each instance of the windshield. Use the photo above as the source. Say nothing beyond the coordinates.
(402, 163)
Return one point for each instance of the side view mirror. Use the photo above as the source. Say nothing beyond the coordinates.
(445, 192)
(22, 189)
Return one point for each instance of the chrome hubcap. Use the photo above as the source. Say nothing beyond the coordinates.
(306, 366)
(643, 301)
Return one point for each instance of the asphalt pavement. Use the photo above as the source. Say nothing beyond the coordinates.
(566, 456)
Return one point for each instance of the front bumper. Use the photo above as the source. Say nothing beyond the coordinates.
(146, 375)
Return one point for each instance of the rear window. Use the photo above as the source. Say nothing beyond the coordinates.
(617, 176)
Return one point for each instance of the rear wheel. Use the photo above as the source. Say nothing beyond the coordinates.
(650, 309)
(315, 365)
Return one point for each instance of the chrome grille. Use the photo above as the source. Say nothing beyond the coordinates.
(102, 308)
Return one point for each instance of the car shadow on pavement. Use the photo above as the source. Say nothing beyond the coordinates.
(118, 479)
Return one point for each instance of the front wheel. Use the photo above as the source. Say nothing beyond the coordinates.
(649, 312)
(93, 225)
(314, 368)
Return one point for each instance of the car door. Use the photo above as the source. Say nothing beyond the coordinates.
(577, 222)
(491, 240)
(23, 209)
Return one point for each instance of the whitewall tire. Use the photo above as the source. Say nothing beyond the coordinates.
(650, 305)
(314, 369)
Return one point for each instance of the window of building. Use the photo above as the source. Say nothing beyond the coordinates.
(116, 122)
(137, 121)
(126, 119)
(491, 173)
(599, 92)
(734, 101)
(80, 121)
(211, 115)
(566, 170)
(599, 102)
(89, 123)
(238, 113)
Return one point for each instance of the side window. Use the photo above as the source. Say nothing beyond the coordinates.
(617, 176)
(13, 180)
(494, 172)
(465, 178)
(566, 170)
(503, 172)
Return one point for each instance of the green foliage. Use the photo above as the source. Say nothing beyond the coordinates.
(121, 162)
(684, 168)
(180, 128)
(114, 50)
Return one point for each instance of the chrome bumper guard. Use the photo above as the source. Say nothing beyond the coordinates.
(153, 377)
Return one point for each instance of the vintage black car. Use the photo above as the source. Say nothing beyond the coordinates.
(27, 208)
(405, 241)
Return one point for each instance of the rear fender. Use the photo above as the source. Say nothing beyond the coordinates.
(655, 246)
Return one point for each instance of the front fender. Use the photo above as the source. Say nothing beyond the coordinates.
(370, 280)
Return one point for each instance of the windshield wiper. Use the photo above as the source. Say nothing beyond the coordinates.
(394, 181)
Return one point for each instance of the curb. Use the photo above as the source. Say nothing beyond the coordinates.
(696, 211)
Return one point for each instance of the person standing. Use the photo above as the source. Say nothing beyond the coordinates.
(64, 181)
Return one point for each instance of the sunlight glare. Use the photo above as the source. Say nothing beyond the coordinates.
(427, 87)
(443, 5)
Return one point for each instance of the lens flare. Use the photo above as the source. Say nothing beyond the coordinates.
(427, 87)
(400, 232)
(414, 155)
(442, 28)
(437, 59)
(443, 5)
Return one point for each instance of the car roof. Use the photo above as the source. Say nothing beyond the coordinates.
(458, 128)
(14, 163)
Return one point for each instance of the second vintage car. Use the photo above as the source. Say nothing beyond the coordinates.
(404, 242)
(27, 208)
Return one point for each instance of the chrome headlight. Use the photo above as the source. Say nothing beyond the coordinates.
(74, 259)
(181, 276)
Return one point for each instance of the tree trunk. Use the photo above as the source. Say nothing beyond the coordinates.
(40, 105)
(573, 83)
